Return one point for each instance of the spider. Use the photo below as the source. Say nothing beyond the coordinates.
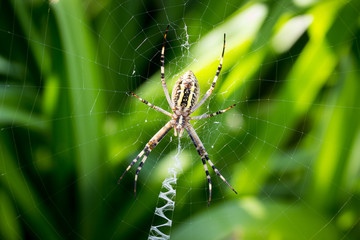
(184, 101)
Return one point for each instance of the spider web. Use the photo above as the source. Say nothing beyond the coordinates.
(68, 127)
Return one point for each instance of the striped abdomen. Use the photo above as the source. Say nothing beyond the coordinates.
(185, 94)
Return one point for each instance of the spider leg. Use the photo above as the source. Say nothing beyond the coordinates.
(134, 161)
(208, 93)
(207, 174)
(154, 141)
(212, 114)
(152, 106)
(162, 57)
(139, 169)
(203, 154)
(217, 171)
(196, 140)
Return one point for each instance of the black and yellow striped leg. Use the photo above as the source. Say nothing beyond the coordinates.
(139, 169)
(133, 162)
(154, 141)
(206, 172)
(217, 171)
(151, 105)
(212, 114)
(203, 154)
(208, 93)
(162, 68)
(198, 149)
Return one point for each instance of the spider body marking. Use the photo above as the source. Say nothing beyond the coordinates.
(184, 97)
(183, 102)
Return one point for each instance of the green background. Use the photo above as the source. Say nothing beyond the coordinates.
(68, 128)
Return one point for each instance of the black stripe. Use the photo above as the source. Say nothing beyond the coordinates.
(147, 153)
(185, 99)
(192, 139)
(163, 135)
(134, 161)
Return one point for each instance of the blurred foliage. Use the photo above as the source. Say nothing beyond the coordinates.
(292, 148)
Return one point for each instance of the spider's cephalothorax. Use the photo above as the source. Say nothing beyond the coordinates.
(183, 102)
(184, 96)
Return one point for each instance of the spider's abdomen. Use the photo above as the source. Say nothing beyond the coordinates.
(185, 94)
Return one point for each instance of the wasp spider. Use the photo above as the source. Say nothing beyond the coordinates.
(183, 102)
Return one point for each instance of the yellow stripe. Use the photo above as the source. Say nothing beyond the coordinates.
(181, 95)
(191, 96)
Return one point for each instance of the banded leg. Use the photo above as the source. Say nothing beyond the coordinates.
(203, 154)
(162, 57)
(134, 161)
(212, 114)
(154, 141)
(193, 138)
(207, 173)
(216, 170)
(139, 169)
(208, 93)
(152, 106)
